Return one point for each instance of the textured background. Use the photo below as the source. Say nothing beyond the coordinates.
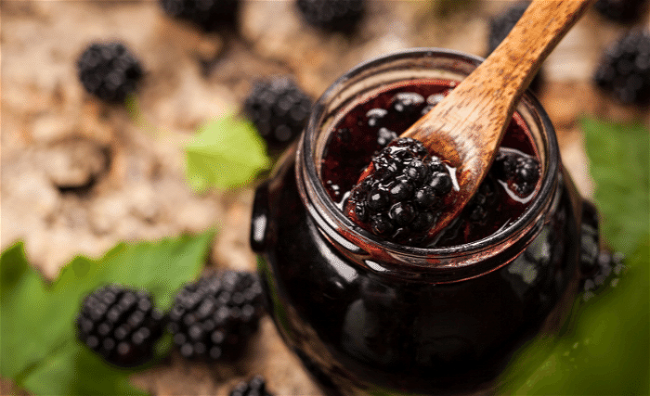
(130, 171)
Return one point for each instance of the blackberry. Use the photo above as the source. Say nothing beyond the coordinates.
(609, 266)
(432, 101)
(332, 15)
(399, 201)
(407, 102)
(215, 316)
(519, 170)
(210, 15)
(120, 324)
(109, 71)
(385, 136)
(255, 387)
(278, 108)
(621, 11)
(485, 197)
(624, 70)
(501, 25)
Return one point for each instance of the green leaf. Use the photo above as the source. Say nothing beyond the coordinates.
(30, 327)
(606, 348)
(225, 153)
(606, 351)
(37, 326)
(159, 267)
(75, 370)
(619, 159)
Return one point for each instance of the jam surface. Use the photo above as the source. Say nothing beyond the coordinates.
(371, 125)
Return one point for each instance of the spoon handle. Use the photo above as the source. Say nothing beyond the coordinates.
(514, 63)
(467, 126)
(488, 96)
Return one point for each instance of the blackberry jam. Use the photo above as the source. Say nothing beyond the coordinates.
(369, 316)
(370, 126)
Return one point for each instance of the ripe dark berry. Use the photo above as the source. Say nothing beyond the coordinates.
(385, 136)
(520, 171)
(332, 15)
(255, 387)
(215, 316)
(278, 108)
(501, 25)
(407, 102)
(211, 15)
(624, 70)
(396, 201)
(109, 71)
(621, 11)
(375, 116)
(120, 324)
(484, 198)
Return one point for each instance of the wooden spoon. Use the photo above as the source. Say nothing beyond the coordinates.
(466, 127)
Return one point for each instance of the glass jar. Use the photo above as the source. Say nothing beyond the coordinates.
(370, 317)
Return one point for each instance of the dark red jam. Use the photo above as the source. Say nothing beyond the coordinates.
(372, 318)
(372, 124)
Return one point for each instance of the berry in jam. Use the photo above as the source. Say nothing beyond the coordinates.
(401, 200)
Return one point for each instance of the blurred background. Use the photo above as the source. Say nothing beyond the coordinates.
(80, 174)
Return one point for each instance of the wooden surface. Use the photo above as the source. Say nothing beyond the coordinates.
(48, 121)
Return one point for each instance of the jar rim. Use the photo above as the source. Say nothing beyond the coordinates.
(329, 215)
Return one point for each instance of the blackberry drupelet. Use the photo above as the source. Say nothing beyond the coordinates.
(255, 387)
(400, 199)
(120, 324)
(278, 108)
(521, 171)
(215, 316)
(484, 199)
(407, 102)
(621, 11)
(210, 15)
(624, 70)
(501, 25)
(332, 15)
(109, 71)
(385, 136)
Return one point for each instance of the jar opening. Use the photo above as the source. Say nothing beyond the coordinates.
(364, 81)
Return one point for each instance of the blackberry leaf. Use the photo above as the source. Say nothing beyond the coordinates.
(619, 155)
(37, 324)
(225, 153)
(605, 350)
(91, 376)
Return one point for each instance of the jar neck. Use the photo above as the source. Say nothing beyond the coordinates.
(440, 265)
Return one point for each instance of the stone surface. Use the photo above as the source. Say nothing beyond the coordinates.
(78, 176)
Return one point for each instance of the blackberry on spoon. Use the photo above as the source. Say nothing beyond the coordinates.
(398, 200)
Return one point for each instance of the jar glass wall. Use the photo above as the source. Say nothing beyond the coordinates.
(367, 316)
